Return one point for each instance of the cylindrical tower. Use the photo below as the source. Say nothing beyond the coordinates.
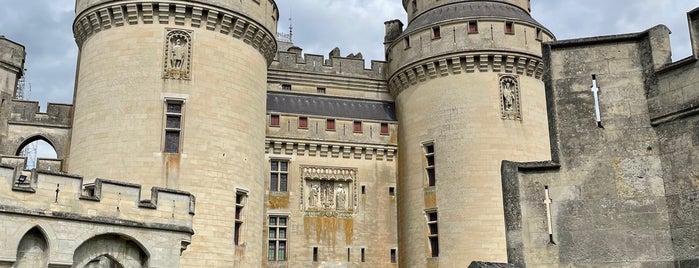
(171, 93)
(467, 77)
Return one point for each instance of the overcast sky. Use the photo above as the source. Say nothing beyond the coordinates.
(44, 28)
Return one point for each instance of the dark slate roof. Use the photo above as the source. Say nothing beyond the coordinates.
(330, 107)
(470, 10)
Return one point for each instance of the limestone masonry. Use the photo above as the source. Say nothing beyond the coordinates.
(199, 137)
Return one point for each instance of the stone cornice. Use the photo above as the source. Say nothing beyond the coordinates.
(175, 13)
(464, 63)
(330, 149)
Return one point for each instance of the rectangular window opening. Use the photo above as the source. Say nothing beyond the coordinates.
(274, 120)
(433, 235)
(394, 254)
(330, 124)
(509, 27)
(286, 86)
(539, 34)
(277, 238)
(436, 32)
(173, 126)
(315, 254)
(430, 164)
(392, 191)
(407, 42)
(279, 175)
(240, 198)
(357, 126)
(384, 128)
(363, 255)
(303, 122)
(320, 90)
(363, 189)
(348, 255)
(472, 27)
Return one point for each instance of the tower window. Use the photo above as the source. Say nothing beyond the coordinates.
(315, 254)
(276, 250)
(320, 90)
(384, 128)
(173, 126)
(430, 164)
(357, 126)
(274, 120)
(433, 234)
(240, 198)
(330, 124)
(539, 34)
(279, 175)
(472, 27)
(303, 122)
(394, 254)
(436, 32)
(286, 87)
(509, 27)
(407, 42)
(363, 255)
(392, 191)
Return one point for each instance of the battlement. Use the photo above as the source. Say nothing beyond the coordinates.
(352, 66)
(28, 112)
(11, 55)
(69, 197)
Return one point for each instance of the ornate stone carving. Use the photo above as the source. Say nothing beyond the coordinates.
(510, 97)
(328, 191)
(178, 54)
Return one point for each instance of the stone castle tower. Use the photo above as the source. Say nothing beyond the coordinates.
(467, 81)
(172, 94)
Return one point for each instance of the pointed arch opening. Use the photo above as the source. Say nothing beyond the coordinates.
(33, 249)
(36, 147)
(110, 250)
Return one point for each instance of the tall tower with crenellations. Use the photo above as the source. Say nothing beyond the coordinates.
(467, 78)
(171, 93)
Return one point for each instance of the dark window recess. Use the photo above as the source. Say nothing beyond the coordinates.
(274, 120)
(436, 32)
(320, 90)
(384, 128)
(279, 175)
(407, 42)
(392, 191)
(472, 27)
(358, 126)
(430, 165)
(286, 87)
(433, 232)
(363, 255)
(348, 254)
(363, 189)
(239, 205)
(509, 27)
(394, 258)
(303, 122)
(173, 127)
(539, 34)
(315, 254)
(330, 124)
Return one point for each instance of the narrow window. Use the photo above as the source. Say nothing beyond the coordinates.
(430, 165)
(303, 122)
(277, 238)
(240, 198)
(363, 255)
(358, 126)
(436, 32)
(392, 191)
(320, 90)
(348, 255)
(384, 128)
(433, 232)
(539, 34)
(414, 6)
(279, 175)
(393, 256)
(330, 124)
(407, 42)
(173, 126)
(363, 189)
(472, 27)
(274, 120)
(509, 27)
(315, 254)
(286, 87)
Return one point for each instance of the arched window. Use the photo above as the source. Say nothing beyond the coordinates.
(34, 148)
(110, 250)
(33, 250)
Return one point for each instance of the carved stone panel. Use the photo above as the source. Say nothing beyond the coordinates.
(510, 105)
(178, 54)
(328, 191)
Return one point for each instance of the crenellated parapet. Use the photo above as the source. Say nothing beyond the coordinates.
(64, 196)
(318, 64)
(11, 55)
(248, 21)
(28, 113)
(465, 63)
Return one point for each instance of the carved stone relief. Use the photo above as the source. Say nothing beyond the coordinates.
(178, 54)
(328, 191)
(510, 105)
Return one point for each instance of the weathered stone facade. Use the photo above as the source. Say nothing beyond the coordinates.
(475, 144)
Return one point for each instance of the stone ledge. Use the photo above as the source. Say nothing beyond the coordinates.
(330, 149)
(175, 13)
(467, 62)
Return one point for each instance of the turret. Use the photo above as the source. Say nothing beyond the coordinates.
(467, 77)
(171, 94)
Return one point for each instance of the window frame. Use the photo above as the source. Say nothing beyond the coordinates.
(432, 220)
(303, 122)
(330, 124)
(167, 129)
(472, 27)
(281, 184)
(357, 127)
(277, 240)
(241, 198)
(274, 120)
(509, 27)
(384, 129)
(430, 163)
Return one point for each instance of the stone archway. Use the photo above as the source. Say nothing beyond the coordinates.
(110, 251)
(33, 250)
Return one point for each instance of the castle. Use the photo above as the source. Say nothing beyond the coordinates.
(198, 138)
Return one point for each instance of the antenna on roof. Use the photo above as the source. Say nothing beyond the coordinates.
(291, 27)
